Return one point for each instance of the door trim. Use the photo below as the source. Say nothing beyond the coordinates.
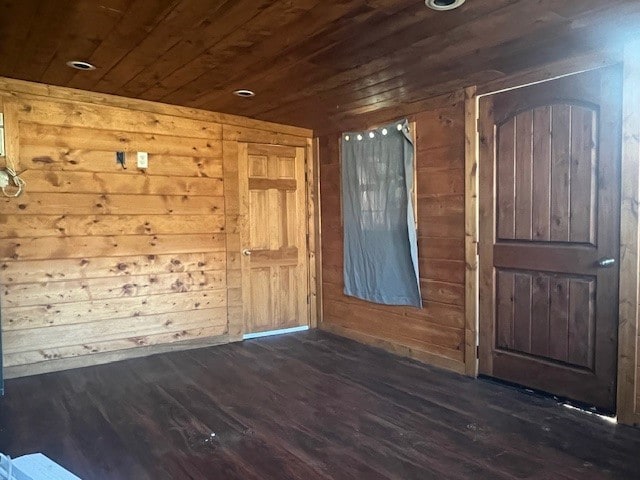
(628, 328)
(471, 284)
(314, 233)
(628, 382)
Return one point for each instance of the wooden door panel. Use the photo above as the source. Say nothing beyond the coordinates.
(546, 169)
(550, 257)
(261, 296)
(546, 315)
(561, 119)
(541, 184)
(257, 166)
(506, 206)
(549, 211)
(258, 208)
(583, 194)
(523, 175)
(521, 317)
(558, 318)
(274, 237)
(541, 315)
(289, 296)
(287, 167)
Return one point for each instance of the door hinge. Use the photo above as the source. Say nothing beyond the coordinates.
(477, 125)
(477, 351)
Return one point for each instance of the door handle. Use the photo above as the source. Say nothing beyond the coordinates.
(246, 252)
(606, 262)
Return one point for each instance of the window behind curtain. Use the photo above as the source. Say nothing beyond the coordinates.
(380, 242)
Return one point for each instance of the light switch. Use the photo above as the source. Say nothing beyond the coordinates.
(143, 160)
(1, 135)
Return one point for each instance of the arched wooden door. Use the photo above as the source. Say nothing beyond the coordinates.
(549, 235)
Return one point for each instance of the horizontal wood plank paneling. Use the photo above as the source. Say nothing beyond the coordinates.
(396, 328)
(97, 258)
(38, 271)
(436, 333)
(24, 226)
(82, 115)
(23, 294)
(48, 355)
(51, 157)
(84, 203)
(97, 139)
(78, 247)
(134, 340)
(10, 87)
(124, 183)
(20, 319)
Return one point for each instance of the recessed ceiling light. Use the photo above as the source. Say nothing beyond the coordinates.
(442, 5)
(80, 65)
(244, 93)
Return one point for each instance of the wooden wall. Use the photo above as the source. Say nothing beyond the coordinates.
(99, 260)
(436, 333)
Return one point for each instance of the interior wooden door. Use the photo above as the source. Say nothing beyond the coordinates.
(273, 237)
(549, 235)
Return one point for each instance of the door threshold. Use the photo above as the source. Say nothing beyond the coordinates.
(269, 333)
(559, 400)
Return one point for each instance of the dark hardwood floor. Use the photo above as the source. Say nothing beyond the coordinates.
(304, 406)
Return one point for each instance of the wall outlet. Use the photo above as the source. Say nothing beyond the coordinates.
(143, 160)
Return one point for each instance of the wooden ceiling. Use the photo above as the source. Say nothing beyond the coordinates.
(311, 63)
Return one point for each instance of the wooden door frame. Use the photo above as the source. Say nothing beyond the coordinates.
(236, 209)
(471, 206)
(314, 233)
(628, 382)
(628, 328)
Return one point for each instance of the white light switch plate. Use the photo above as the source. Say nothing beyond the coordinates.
(143, 160)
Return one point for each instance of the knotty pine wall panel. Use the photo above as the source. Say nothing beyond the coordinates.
(100, 260)
(81, 247)
(434, 334)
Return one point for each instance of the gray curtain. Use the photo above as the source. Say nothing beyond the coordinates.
(380, 242)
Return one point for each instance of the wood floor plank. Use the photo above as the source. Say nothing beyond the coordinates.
(304, 406)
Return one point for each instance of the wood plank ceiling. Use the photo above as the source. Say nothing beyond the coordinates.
(311, 63)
